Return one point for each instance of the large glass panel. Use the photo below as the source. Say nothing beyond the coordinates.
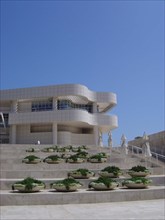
(44, 105)
(41, 128)
(66, 104)
(4, 117)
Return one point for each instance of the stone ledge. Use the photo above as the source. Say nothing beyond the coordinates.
(51, 197)
(157, 180)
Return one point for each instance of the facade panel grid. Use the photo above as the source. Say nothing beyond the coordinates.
(38, 114)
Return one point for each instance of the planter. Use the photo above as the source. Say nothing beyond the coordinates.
(136, 183)
(138, 171)
(95, 160)
(32, 150)
(102, 186)
(110, 171)
(78, 160)
(103, 154)
(62, 188)
(82, 148)
(22, 188)
(74, 150)
(103, 183)
(82, 154)
(53, 159)
(66, 185)
(81, 174)
(65, 156)
(63, 150)
(106, 174)
(49, 149)
(28, 185)
(75, 159)
(138, 174)
(35, 161)
(50, 161)
(31, 159)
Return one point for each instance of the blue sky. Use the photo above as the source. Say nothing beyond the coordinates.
(109, 46)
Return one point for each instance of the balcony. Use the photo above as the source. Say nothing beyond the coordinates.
(64, 116)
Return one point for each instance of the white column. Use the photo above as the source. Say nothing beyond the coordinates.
(54, 103)
(14, 106)
(94, 107)
(96, 135)
(13, 134)
(54, 130)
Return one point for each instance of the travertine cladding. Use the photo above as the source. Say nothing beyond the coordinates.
(59, 116)
(21, 117)
(156, 140)
(58, 90)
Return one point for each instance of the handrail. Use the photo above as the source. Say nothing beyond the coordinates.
(157, 156)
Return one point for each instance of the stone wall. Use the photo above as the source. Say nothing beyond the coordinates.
(156, 140)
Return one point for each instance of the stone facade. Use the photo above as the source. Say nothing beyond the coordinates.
(58, 114)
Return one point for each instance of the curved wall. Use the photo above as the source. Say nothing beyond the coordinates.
(84, 126)
(63, 116)
(57, 90)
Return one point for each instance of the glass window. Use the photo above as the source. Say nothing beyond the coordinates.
(66, 104)
(4, 120)
(41, 128)
(44, 105)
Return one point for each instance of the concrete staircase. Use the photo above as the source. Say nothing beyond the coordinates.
(12, 170)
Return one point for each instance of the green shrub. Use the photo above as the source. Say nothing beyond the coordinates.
(31, 157)
(66, 182)
(112, 169)
(105, 180)
(29, 183)
(139, 168)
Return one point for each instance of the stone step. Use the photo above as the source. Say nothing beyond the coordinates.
(51, 197)
(18, 165)
(13, 154)
(22, 148)
(157, 180)
(55, 172)
(15, 157)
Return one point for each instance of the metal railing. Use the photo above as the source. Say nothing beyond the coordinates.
(138, 150)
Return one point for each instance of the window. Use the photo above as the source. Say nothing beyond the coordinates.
(4, 117)
(41, 128)
(45, 105)
(66, 104)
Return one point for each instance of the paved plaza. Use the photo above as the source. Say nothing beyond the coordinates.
(134, 210)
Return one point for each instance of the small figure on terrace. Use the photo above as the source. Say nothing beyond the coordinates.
(110, 143)
(100, 141)
(124, 145)
(146, 146)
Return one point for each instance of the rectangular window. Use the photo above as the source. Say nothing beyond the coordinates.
(4, 118)
(41, 128)
(43, 105)
(66, 104)
(87, 131)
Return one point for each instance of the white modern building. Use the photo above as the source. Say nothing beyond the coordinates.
(56, 114)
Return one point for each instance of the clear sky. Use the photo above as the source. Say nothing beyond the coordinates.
(109, 46)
